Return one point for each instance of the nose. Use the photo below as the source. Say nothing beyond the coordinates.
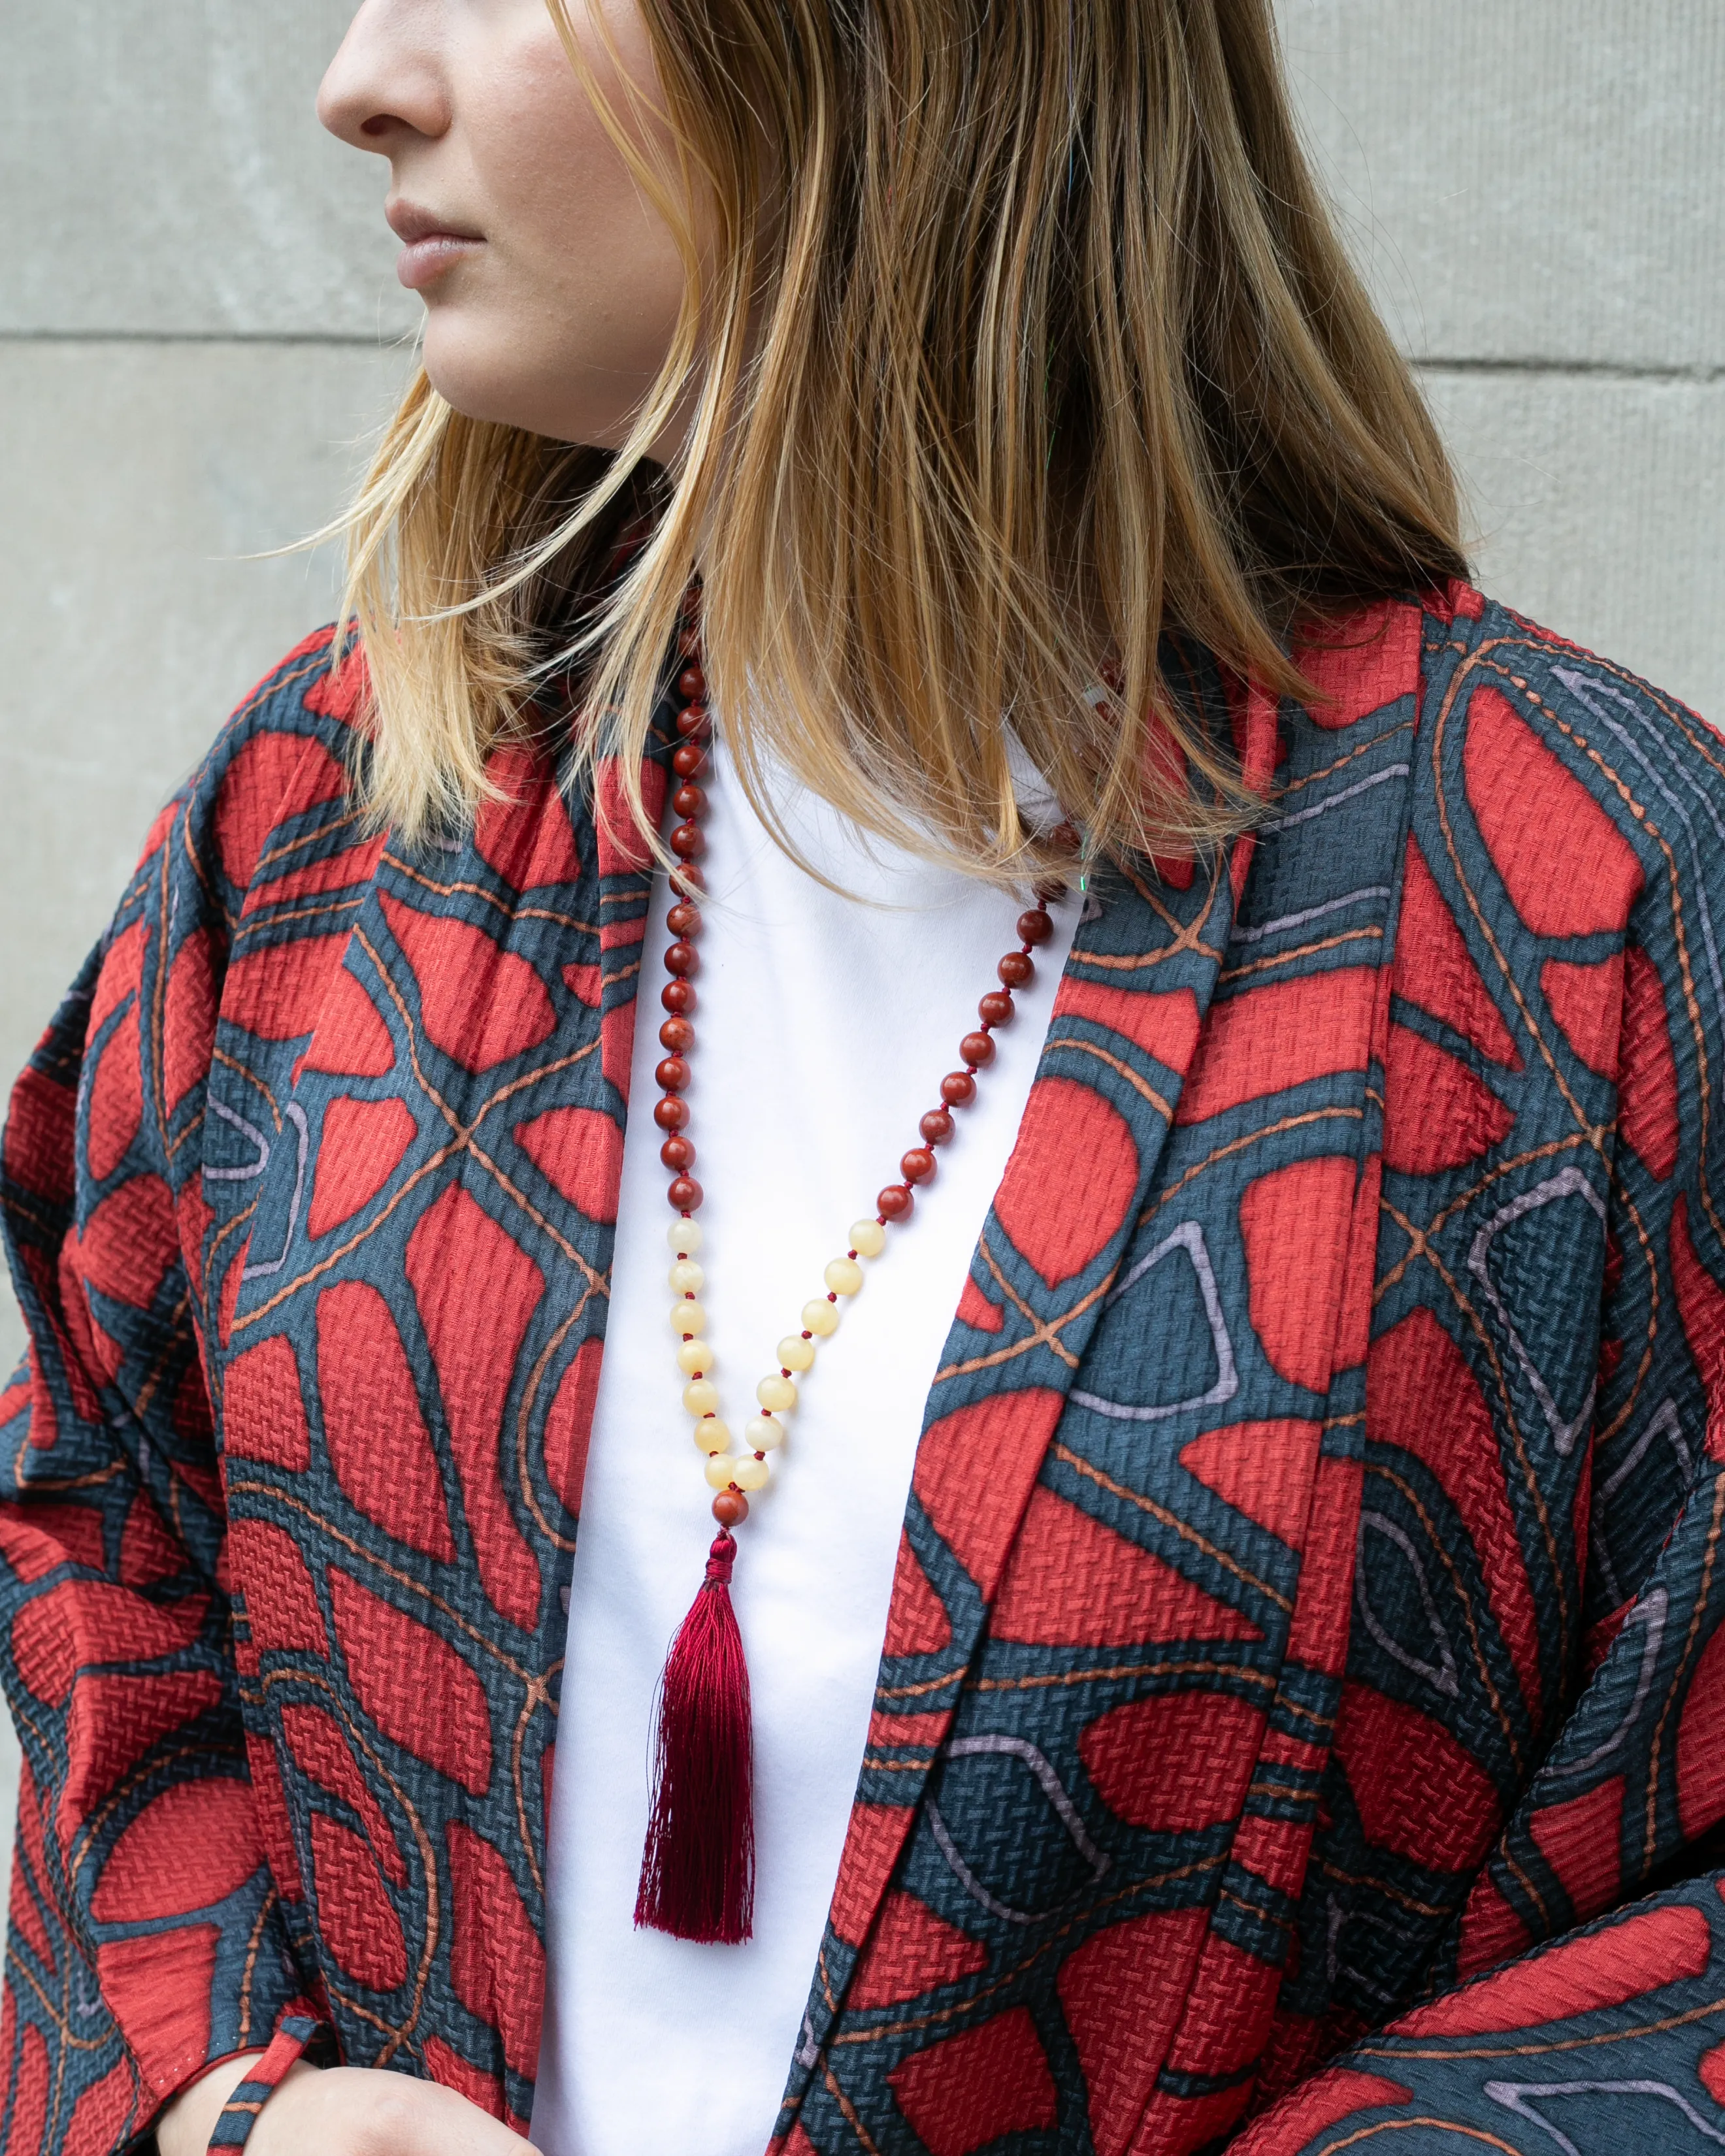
(386, 80)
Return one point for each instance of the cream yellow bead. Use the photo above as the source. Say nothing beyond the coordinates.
(748, 1473)
(776, 1393)
(763, 1433)
(695, 1358)
(687, 1317)
(844, 1275)
(701, 1397)
(795, 1352)
(711, 1435)
(720, 1468)
(686, 1277)
(820, 1317)
(683, 1237)
(868, 1238)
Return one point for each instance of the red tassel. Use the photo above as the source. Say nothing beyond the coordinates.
(698, 1867)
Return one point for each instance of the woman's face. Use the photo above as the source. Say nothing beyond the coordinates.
(551, 285)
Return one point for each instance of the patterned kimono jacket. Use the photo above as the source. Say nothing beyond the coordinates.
(1306, 1673)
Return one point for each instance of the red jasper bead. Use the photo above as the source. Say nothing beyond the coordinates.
(691, 683)
(996, 1007)
(978, 1049)
(678, 1153)
(689, 759)
(676, 1036)
(682, 958)
(957, 1089)
(685, 1194)
(935, 1127)
(1014, 969)
(672, 1075)
(688, 801)
(678, 998)
(687, 840)
(688, 879)
(731, 1508)
(917, 1165)
(671, 1113)
(894, 1202)
(692, 723)
(684, 919)
(688, 643)
(1035, 927)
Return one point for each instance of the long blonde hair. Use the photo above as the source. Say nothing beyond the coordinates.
(1015, 336)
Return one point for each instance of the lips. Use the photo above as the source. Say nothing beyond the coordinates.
(435, 244)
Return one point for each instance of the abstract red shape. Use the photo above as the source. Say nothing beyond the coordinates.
(1283, 1035)
(272, 776)
(624, 847)
(1175, 1763)
(1711, 2067)
(975, 1309)
(1070, 1181)
(477, 1290)
(103, 2115)
(359, 1148)
(617, 1044)
(372, 1426)
(975, 1515)
(188, 1025)
(1567, 868)
(496, 1960)
(1438, 1114)
(421, 1692)
(1701, 1743)
(39, 1539)
(912, 1951)
(148, 1554)
(1361, 664)
(448, 2067)
(1435, 969)
(319, 1743)
(1638, 1953)
(1263, 1469)
(193, 1845)
(278, 992)
(526, 837)
(1164, 1023)
(1421, 1395)
(872, 1842)
(114, 1722)
(1587, 1003)
(1396, 1758)
(263, 1407)
(1647, 1090)
(916, 1619)
(1294, 1222)
(157, 1988)
(28, 2126)
(350, 1039)
(270, 1572)
(1073, 1582)
(356, 1918)
(116, 1100)
(1122, 1992)
(352, 868)
(579, 1151)
(968, 2090)
(129, 1242)
(1491, 1931)
(1341, 2093)
(1581, 1838)
(568, 1423)
(479, 1003)
(82, 1621)
(588, 983)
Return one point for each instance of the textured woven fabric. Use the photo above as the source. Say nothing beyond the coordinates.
(286, 2049)
(1309, 1597)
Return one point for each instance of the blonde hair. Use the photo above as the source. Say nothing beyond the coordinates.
(1043, 345)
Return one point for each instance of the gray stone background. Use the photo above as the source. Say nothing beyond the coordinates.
(199, 328)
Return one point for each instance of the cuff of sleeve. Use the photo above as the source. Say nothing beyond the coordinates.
(294, 2030)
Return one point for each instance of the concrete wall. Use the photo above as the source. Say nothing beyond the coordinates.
(197, 314)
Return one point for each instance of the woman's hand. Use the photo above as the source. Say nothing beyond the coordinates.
(340, 2111)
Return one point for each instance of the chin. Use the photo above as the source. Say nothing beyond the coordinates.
(479, 372)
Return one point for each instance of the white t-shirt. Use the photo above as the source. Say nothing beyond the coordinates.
(823, 1029)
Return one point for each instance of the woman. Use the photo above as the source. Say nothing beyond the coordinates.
(1276, 1621)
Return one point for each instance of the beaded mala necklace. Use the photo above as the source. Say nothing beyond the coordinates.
(697, 1868)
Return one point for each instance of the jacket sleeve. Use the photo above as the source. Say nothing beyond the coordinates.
(146, 1938)
(1593, 1941)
